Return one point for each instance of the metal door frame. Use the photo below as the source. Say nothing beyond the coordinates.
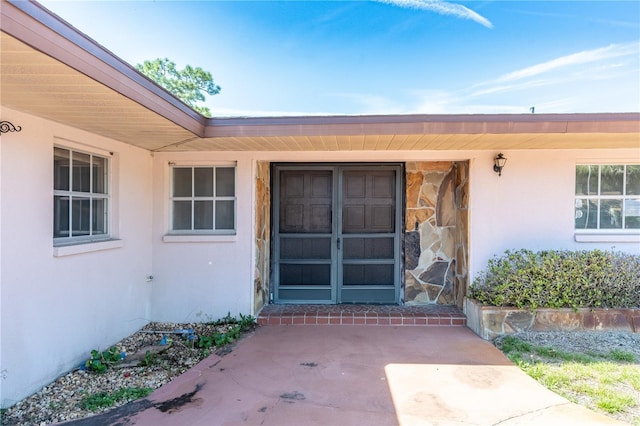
(336, 219)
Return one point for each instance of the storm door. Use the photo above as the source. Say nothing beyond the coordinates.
(336, 233)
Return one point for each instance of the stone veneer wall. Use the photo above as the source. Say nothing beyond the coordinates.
(436, 233)
(263, 239)
(461, 275)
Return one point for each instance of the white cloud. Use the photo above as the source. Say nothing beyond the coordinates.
(579, 58)
(441, 7)
(571, 78)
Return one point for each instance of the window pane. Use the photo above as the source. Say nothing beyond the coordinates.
(203, 181)
(182, 182)
(61, 169)
(586, 180)
(99, 175)
(224, 214)
(633, 180)
(81, 174)
(80, 208)
(225, 182)
(610, 214)
(99, 212)
(586, 214)
(632, 214)
(182, 215)
(60, 216)
(611, 180)
(203, 215)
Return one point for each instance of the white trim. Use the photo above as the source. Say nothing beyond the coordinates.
(593, 237)
(111, 228)
(201, 163)
(86, 148)
(214, 198)
(69, 250)
(199, 238)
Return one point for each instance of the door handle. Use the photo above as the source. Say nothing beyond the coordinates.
(338, 243)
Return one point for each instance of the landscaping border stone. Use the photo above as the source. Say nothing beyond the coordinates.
(490, 322)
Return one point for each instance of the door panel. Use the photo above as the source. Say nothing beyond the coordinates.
(368, 202)
(305, 201)
(336, 233)
(368, 262)
(304, 251)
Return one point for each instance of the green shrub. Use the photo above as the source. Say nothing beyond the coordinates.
(100, 361)
(560, 279)
(218, 339)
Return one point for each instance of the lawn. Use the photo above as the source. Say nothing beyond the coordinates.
(604, 382)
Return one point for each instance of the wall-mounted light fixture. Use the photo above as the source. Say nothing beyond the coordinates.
(498, 164)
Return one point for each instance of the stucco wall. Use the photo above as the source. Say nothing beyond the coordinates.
(201, 279)
(55, 310)
(532, 204)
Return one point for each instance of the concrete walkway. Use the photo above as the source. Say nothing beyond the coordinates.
(354, 375)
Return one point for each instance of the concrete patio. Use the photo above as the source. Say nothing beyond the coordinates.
(354, 375)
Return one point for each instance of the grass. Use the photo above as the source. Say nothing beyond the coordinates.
(608, 383)
(99, 400)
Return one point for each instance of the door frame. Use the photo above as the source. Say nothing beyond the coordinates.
(336, 255)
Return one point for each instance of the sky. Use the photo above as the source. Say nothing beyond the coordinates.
(276, 58)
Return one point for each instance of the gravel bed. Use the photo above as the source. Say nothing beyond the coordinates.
(60, 400)
(587, 342)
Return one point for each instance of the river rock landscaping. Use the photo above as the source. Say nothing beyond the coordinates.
(128, 370)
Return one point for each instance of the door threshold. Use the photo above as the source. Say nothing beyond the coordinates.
(353, 314)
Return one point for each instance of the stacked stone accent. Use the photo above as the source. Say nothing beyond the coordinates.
(461, 274)
(435, 232)
(263, 239)
(490, 322)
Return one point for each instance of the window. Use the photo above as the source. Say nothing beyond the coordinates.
(203, 199)
(80, 196)
(607, 197)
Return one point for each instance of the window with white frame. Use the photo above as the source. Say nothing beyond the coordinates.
(80, 196)
(607, 197)
(203, 199)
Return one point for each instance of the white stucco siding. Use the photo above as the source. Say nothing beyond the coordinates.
(195, 279)
(532, 204)
(56, 309)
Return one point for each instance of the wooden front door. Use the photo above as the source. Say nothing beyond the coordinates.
(337, 233)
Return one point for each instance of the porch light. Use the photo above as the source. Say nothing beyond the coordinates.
(499, 163)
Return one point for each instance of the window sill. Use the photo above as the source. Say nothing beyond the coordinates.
(192, 238)
(607, 238)
(88, 247)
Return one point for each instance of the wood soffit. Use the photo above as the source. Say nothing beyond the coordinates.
(51, 70)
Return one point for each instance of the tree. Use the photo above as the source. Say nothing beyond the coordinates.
(188, 84)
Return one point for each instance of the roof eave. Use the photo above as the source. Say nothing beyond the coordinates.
(41, 29)
(424, 124)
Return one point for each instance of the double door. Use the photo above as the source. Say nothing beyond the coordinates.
(336, 233)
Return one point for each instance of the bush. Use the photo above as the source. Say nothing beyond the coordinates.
(560, 279)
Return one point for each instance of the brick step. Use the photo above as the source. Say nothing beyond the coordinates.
(361, 315)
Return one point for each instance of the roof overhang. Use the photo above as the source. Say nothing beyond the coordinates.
(50, 69)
